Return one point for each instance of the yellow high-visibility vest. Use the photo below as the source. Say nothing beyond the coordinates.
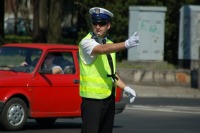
(94, 82)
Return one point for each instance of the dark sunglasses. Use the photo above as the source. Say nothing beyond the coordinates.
(99, 23)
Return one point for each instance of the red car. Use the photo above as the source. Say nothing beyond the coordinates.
(27, 90)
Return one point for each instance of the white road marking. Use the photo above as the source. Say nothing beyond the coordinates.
(172, 109)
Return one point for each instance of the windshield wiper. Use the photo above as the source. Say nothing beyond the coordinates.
(7, 66)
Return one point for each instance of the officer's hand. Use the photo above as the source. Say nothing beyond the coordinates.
(132, 41)
(130, 93)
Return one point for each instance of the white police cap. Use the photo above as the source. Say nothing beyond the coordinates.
(100, 11)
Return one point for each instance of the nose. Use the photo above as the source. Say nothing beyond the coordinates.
(98, 26)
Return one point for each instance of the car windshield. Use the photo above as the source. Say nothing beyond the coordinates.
(19, 59)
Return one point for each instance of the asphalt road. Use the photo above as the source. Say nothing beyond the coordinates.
(158, 119)
(145, 115)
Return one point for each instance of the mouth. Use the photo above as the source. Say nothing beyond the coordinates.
(98, 32)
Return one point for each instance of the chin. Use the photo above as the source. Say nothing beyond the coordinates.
(99, 35)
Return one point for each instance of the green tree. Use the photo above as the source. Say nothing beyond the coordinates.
(40, 21)
(55, 18)
(47, 21)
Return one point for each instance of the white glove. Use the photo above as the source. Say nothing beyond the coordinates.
(130, 93)
(132, 41)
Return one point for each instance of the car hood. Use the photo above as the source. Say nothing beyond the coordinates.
(14, 79)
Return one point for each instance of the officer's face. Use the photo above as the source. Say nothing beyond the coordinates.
(100, 28)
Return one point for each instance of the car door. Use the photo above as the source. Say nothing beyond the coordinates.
(57, 94)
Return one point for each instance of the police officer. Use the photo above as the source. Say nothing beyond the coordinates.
(98, 78)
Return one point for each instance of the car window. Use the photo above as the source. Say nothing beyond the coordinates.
(68, 64)
(19, 59)
(63, 60)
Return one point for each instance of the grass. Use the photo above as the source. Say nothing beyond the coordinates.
(146, 65)
(17, 39)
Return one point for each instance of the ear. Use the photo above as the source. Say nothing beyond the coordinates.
(108, 25)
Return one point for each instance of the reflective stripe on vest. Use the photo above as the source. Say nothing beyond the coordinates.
(94, 82)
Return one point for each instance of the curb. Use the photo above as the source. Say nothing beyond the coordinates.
(157, 77)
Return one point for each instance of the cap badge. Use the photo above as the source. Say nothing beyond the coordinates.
(97, 10)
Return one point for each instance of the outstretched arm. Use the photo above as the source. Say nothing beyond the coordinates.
(108, 48)
(115, 47)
